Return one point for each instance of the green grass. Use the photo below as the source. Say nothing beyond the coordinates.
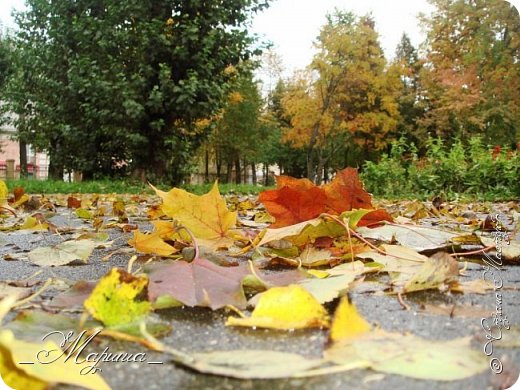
(95, 187)
(120, 187)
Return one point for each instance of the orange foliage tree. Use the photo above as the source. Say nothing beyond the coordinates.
(472, 70)
(345, 97)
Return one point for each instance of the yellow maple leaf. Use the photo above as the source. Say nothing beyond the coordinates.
(151, 243)
(288, 307)
(347, 322)
(206, 216)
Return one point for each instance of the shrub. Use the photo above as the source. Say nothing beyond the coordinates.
(471, 169)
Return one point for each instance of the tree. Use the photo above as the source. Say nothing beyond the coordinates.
(236, 136)
(349, 98)
(472, 72)
(410, 99)
(109, 84)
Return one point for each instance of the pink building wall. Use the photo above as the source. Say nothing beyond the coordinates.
(38, 163)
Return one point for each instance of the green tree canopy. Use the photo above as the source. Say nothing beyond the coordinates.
(105, 85)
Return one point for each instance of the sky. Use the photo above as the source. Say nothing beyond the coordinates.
(293, 25)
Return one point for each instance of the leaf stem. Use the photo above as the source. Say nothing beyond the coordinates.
(475, 252)
(193, 240)
(30, 297)
(353, 232)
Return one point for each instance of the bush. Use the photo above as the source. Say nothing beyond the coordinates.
(474, 169)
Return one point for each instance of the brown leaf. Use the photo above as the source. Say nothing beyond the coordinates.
(199, 283)
(73, 203)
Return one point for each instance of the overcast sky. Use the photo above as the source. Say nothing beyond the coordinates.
(293, 25)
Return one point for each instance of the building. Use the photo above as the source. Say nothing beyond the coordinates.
(37, 163)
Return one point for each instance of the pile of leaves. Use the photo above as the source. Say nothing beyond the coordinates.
(274, 264)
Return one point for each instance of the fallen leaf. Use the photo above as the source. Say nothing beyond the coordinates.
(118, 298)
(294, 200)
(18, 192)
(414, 237)
(477, 286)
(84, 213)
(290, 307)
(32, 325)
(347, 322)
(250, 364)
(438, 270)
(345, 192)
(73, 202)
(4, 193)
(73, 297)
(303, 232)
(151, 243)
(32, 223)
(63, 253)
(455, 310)
(505, 249)
(199, 283)
(411, 356)
(38, 375)
(206, 216)
(298, 200)
(19, 292)
(312, 257)
(328, 289)
(400, 262)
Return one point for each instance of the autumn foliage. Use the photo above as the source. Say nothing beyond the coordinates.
(298, 200)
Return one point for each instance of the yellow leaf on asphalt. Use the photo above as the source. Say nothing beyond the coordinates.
(347, 322)
(4, 193)
(151, 243)
(206, 216)
(288, 307)
(117, 298)
(49, 365)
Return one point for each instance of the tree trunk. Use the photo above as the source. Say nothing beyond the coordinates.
(206, 166)
(311, 172)
(218, 162)
(253, 173)
(244, 164)
(56, 167)
(238, 176)
(266, 175)
(319, 171)
(229, 172)
(23, 160)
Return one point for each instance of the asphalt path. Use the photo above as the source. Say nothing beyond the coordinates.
(200, 329)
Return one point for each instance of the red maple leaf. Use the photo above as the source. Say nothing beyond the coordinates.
(298, 200)
(295, 200)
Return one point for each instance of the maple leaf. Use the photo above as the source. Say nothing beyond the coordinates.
(151, 243)
(206, 216)
(345, 192)
(294, 200)
(199, 283)
(298, 200)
